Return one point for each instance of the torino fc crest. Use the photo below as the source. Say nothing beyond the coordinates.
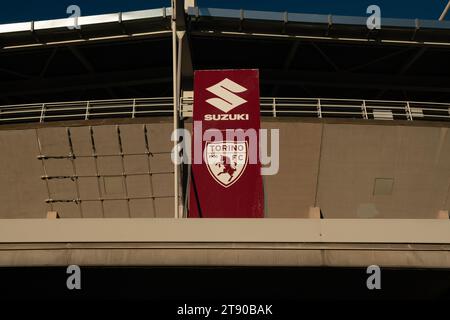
(226, 160)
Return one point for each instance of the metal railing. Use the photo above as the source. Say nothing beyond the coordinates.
(271, 107)
(346, 108)
(355, 109)
(86, 110)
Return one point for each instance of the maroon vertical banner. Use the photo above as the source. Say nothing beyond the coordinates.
(226, 171)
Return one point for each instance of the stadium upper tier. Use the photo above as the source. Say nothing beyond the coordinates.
(255, 23)
(129, 55)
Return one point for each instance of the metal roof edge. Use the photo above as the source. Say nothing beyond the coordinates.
(85, 20)
(313, 18)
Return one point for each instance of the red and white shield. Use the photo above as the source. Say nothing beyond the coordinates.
(226, 160)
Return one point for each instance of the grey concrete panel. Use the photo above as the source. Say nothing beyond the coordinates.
(112, 187)
(142, 208)
(108, 166)
(353, 156)
(164, 207)
(446, 205)
(54, 141)
(115, 209)
(163, 184)
(138, 186)
(133, 138)
(136, 163)
(22, 192)
(81, 140)
(161, 163)
(67, 210)
(106, 139)
(92, 209)
(159, 136)
(291, 192)
(89, 188)
(58, 167)
(62, 189)
(85, 166)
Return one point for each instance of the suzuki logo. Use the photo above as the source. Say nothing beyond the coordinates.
(225, 91)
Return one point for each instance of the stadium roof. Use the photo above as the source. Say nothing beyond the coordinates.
(123, 55)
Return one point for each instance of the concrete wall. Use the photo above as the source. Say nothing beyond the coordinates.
(350, 170)
(22, 192)
(415, 160)
(292, 191)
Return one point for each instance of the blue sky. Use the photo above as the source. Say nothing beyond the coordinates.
(25, 10)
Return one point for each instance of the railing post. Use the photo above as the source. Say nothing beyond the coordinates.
(181, 106)
(274, 108)
(134, 109)
(41, 119)
(86, 116)
(175, 93)
(319, 109)
(408, 112)
(364, 110)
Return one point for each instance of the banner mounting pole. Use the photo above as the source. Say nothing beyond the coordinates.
(175, 104)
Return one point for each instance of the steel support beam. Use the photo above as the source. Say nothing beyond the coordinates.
(183, 75)
(444, 13)
(405, 68)
(325, 56)
(16, 74)
(377, 60)
(287, 63)
(410, 62)
(48, 62)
